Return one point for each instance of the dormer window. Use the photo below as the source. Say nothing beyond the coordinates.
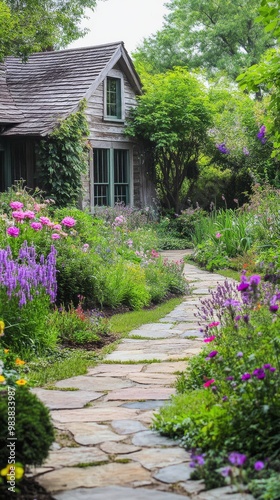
(113, 105)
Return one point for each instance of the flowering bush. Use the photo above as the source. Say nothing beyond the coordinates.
(239, 369)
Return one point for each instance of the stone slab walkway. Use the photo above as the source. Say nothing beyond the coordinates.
(105, 449)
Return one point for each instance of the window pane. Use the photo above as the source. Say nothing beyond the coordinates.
(101, 176)
(121, 176)
(114, 97)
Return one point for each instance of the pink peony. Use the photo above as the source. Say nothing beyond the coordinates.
(58, 227)
(16, 205)
(55, 236)
(37, 226)
(68, 221)
(13, 231)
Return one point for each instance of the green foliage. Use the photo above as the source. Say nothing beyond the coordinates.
(206, 34)
(63, 158)
(32, 26)
(76, 327)
(266, 489)
(33, 429)
(172, 116)
(265, 74)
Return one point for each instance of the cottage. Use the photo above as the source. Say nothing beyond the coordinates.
(36, 95)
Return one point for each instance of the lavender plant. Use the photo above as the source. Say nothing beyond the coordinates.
(27, 288)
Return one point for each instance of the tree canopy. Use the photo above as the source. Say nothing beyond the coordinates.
(215, 35)
(266, 73)
(28, 26)
(172, 117)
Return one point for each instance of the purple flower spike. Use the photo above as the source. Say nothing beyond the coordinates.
(225, 398)
(243, 286)
(236, 458)
(222, 148)
(226, 471)
(255, 280)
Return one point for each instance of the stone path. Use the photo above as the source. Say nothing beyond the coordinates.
(105, 449)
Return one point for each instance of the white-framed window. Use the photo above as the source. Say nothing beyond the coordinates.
(111, 176)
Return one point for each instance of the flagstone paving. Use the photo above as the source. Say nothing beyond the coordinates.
(112, 453)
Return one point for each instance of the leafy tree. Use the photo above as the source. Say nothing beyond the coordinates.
(172, 116)
(210, 34)
(28, 26)
(266, 73)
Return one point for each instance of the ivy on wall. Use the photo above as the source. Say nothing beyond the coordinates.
(62, 158)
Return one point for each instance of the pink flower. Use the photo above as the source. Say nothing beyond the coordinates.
(13, 231)
(213, 324)
(18, 215)
(209, 382)
(29, 214)
(209, 339)
(129, 243)
(85, 247)
(68, 221)
(55, 236)
(16, 205)
(218, 235)
(45, 221)
(37, 226)
(37, 207)
(57, 227)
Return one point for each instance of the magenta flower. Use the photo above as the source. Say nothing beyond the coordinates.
(85, 247)
(57, 227)
(68, 222)
(230, 377)
(212, 354)
(45, 221)
(55, 236)
(259, 373)
(273, 307)
(18, 215)
(259, 465)
(28, 214)
(267, 366)
(245, 376)
(242, 286)
(13, 231)
(16, 205)
(272, 369)
(218, 235)
(37, 226)
(213, 324)
(225, 398)
(209, 339)
(209, 382)
(255, 280)
(236, 458)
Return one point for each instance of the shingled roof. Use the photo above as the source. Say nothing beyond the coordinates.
(50, 85)
(9, 114)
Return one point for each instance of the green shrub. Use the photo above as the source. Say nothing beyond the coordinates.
(33, 428)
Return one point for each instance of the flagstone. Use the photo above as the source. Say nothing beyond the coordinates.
(153, 379)
(115, 369)
(127, 426)
(146, 405)
(136, 393)
(58, 400)
(174, 473)
(174, 367)
(93, 414)
(151, 334)
(151, 438)
(74, 456)
(91, 383)
(92, 433)
(136, 356)
(154, 458)
(118, 448)
(193, 487)
(70, 477)
(118, 493)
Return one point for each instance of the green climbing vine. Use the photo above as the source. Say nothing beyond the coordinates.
(63, 158)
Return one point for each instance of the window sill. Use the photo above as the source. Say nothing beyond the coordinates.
(112, 119)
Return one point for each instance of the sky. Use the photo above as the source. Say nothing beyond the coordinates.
(129, 21)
